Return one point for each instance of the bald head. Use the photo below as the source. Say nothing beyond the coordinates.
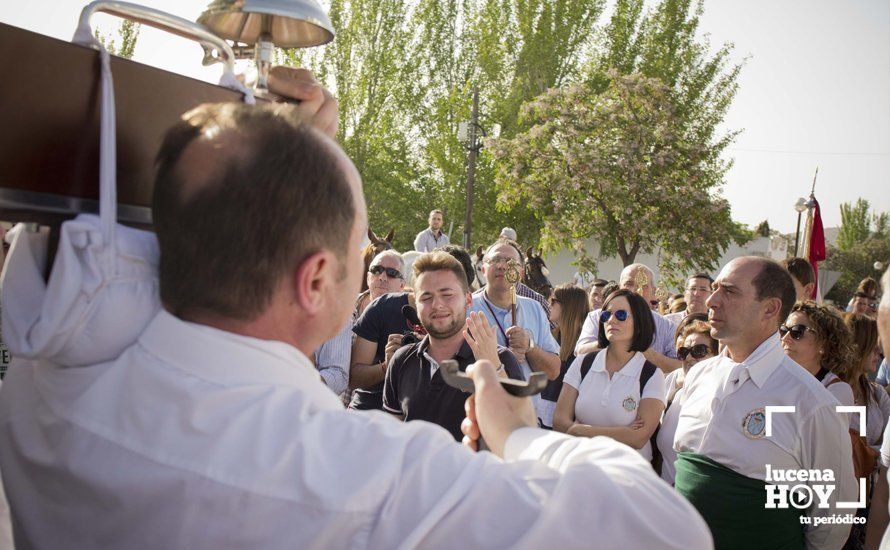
(633, 274)
(242, 195)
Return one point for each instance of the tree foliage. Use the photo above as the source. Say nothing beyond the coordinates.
(864, 238)
(618, 166)
(403, 73)
(128, 34)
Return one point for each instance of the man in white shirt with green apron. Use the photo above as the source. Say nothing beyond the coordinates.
(726, 459)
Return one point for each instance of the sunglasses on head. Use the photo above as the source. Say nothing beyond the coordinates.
(697, 351)
(620, 314)
(390, 272)
(796, 331)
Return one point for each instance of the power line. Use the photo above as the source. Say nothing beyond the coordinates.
(790, 152)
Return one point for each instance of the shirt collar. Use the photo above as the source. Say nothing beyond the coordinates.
(465, 352)
(223, 357)
(763, 361)
(632, 368)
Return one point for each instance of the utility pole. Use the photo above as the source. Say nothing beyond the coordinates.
(471, 168)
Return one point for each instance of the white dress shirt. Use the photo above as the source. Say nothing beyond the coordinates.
(200, 438)
(613, 401)
(665, 437)
(720, 394)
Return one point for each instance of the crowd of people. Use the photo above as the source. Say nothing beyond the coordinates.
(268, 403)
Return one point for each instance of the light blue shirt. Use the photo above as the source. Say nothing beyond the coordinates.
(332, 360)
(531, 318)
(663, 342)
(883, 377)
(426, 241)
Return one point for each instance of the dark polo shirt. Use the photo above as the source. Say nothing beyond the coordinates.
(411, 391)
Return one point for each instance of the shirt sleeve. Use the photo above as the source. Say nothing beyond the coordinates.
(510, 365)
(827, 446)
(418, 243)
(369, 324)
(590, 330)
(333, 358)
(664, 335)
(545, 340)
(539, 497)
(654, 388)
(391, 401)
(885, 447)
(573, 375)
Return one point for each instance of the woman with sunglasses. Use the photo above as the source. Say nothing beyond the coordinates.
(696, 344)
(569, 306)
(817, 339)
(608, 398)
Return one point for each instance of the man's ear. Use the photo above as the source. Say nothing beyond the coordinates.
(772, 308)
(311, 280)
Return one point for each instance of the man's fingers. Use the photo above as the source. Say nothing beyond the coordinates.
(294, 83)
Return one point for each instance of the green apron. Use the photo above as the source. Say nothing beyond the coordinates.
(733, 506)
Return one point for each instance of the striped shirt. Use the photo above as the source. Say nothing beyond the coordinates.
(332, 360)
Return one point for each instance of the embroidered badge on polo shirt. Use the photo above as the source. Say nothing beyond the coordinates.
(754, 424)
(629, 403)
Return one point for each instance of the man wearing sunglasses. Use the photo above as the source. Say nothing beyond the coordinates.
(378, 330)
(721, 441)
(662, 353)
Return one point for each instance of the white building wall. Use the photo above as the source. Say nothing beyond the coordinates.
(562, 270)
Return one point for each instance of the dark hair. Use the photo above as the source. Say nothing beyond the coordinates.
(702, 275)
(867, 288)
(801, 270)
(610, 289)
(644, 326)
(774, 281)
(864, 333)
(508, 242)
(243, 194)
(575, 308)
(439, 260)
(460, 254)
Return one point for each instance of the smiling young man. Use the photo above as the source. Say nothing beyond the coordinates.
(414, 388)
(723, 449)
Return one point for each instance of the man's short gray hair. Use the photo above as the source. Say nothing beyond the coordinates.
(389, 254)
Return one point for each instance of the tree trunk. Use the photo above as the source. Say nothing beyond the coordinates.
(627, 256)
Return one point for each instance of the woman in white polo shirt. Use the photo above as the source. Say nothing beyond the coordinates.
(606, 400)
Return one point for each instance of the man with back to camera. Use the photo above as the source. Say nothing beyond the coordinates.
(432, 237)
(214, 430)
(414, 387)
(724, 452)
(802, 276)
(663, 353)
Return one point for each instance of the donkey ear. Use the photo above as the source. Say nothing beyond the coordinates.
(390, 235)
(479, 252)
(529, 253)
(372, 236)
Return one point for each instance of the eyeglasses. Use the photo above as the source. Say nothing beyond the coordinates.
(653, 303)
(796, 331)
(703, 289)
(498, 260)
(390, 272)
(697, 351)
(620, 314)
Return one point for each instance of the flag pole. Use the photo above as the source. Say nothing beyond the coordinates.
(808, 227)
